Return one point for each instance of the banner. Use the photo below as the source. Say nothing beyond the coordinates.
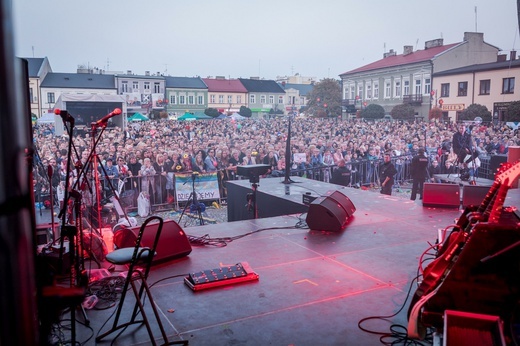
(205, 185)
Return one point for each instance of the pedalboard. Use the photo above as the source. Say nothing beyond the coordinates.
(222, 276)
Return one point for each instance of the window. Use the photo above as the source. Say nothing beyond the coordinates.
(200, 100)
(147, 86)
(463, 89)
(263, 98)
(360, 91)
(353, 92)
(124, 87)
(445, 90)
(418, 87)
(485, 87)
(406, 90)
(280, 99)
(252, 98)
(230, 99)
(369, 91)
(220, 98)
(31, 97)
(212, 98)
(397, 89)
(387, 89)
(427, 86)
(191, 100)
(271, 99)
(508, 85)
(50, 98)
(182, 99)
(239, 98)
(156, 87)
(376, 90)
(135, 86)
(173, 99)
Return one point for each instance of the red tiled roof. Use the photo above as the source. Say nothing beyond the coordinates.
(397, 60)
(224, 85)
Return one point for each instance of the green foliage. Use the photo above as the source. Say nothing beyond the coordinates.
(475, 110)
(513, 112)
(212, 112)
(403, 111)
(373, 111)
(435, 113)
(245, 112)
(325, 99)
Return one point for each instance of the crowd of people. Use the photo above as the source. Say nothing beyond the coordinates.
(143, 154)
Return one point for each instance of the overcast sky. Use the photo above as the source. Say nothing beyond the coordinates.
(245, 38)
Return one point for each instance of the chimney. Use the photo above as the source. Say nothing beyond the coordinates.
(512, 55)
(407, 50)
(501, 57)
(391, 52)
(434, 43)
(128, 71)
(146, 73)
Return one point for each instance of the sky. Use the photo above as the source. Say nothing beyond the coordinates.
(247, 38)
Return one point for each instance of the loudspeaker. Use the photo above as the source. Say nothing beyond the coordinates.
(473, 195)
(441, 195)
(494, 164)
(46, 234)
(173, 242)
(330, 212)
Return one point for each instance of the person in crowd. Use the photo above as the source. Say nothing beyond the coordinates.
(147, 174)
(419, 172)
(341, 175)
(387, 172)
(211, 162)
(434, 170)
(461, 143)
(197, 163)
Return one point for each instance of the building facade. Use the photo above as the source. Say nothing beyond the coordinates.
(38, 69)
(143, 93)
(266, 98)
(407, 78)
(226, 95)
(491, 85)
(185, 94)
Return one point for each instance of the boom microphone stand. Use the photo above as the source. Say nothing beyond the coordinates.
(194, 205)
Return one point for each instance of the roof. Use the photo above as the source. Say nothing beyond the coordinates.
(224, 85)
(304, 89)
(261, 86)
(481, 67)
(401, 59)
(35, 64)
(79, 80)
(185, 82)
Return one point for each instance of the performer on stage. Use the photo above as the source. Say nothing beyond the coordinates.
(462, 143)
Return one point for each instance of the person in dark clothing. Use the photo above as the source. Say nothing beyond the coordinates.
(461, 143)
(341, 175)
(387, 172)
(433, 170)
(419, 172)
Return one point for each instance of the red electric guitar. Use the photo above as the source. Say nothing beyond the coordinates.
(436, 272)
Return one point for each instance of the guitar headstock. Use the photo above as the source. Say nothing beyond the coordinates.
(507, 173)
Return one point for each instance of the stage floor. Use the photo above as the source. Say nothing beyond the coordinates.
(313, 288)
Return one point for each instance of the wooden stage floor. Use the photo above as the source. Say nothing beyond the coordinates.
(313, 287)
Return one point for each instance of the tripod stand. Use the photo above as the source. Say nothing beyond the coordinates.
(251, 197)
(193, 203)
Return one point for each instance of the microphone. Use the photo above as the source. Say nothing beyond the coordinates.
(104, 120)
(65, 116)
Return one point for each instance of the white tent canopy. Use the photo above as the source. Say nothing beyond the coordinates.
(47, 118)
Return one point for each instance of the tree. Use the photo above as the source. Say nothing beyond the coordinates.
(245, 112)
(513, 112)
(212, 112)
(403, 111)
(325, 99)
(373, 111)
(163, 115)
(435, 113)
(475, 110)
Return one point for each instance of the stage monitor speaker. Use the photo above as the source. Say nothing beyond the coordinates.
(441, 195)
(173, 242)
(473, 194)
(330, 212)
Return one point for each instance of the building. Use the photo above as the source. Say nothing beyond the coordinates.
(266, 97)
(491, 85)
(143, 93)
(407, 78)
(296, 96)
(226, 95)
(38, 69)
(185, 94)
(296, 79)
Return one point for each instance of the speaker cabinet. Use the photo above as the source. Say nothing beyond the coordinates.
(494, 164)
(330, 212)
(473, 195)
(45, 233)
(173, 242)
(441, 195)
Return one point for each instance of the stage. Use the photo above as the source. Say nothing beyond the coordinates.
(313, 287)
(455, 179)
